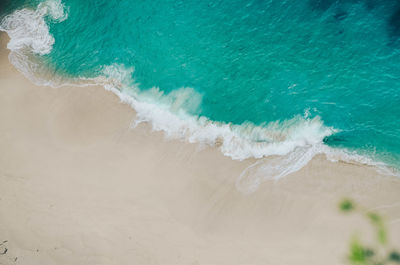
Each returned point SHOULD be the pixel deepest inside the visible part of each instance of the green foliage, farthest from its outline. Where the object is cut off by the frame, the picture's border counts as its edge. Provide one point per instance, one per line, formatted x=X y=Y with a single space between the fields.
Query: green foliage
x=379 y=225
x=375 y=218
x=346 y=205
x=394 y=256
x=359 y=253
x=382 y=235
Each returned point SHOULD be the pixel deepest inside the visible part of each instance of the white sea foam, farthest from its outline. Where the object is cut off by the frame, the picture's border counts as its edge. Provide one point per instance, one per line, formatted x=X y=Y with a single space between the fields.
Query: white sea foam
x=289 y=145
x=276 y=167
x=168 y=113
x=30 y=37
x=55 y=9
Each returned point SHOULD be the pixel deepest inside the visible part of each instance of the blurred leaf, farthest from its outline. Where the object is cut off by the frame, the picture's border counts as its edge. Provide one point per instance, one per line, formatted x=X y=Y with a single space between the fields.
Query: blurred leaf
x=375 y=218
x=377 y=221
x=380 y=254
x=357 y=253
x=382 y=235
x=368 y=252
x=346 y=205
x=394 y=256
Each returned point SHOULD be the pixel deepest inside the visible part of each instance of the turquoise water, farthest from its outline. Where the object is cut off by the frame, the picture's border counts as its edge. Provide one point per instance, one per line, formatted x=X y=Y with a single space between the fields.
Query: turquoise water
x=272 y=64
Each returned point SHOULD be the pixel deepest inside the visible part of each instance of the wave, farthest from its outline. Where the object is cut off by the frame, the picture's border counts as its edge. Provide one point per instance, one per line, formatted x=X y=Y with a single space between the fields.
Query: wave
x=169 y=113
x=276 y=167
x=289 y=145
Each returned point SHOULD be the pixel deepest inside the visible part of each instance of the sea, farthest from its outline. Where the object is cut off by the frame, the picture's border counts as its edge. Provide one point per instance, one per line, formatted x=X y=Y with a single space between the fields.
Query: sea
x=271 y=80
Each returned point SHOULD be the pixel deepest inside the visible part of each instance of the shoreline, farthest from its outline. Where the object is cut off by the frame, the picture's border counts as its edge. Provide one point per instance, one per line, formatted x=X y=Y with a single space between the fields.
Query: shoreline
x=304 y=139
x=79 y=186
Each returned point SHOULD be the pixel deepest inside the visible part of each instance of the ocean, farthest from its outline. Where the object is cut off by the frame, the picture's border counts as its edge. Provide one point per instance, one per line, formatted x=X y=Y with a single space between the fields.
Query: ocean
x=276 y=79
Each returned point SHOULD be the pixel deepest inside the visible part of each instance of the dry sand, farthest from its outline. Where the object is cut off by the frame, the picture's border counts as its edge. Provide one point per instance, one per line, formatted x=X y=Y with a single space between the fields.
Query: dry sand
x=78 y=186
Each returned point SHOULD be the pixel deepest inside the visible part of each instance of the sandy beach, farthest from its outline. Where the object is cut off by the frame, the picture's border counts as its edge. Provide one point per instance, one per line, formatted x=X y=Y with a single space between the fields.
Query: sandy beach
x=78 y=186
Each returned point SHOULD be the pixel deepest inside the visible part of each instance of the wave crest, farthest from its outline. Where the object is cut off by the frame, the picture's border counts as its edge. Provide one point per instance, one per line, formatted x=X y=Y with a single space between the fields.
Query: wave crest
x=169 y=113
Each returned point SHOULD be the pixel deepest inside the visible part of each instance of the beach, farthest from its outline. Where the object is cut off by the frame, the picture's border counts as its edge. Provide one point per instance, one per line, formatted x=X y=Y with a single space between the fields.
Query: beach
x=79 y=185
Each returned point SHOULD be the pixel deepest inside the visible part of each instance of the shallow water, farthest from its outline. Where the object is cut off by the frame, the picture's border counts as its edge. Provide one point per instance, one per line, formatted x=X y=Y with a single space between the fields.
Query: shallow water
x=280 y=75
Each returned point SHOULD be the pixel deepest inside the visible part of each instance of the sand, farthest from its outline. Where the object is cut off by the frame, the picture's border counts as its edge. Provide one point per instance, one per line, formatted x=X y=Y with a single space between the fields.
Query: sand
x=78 y=186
